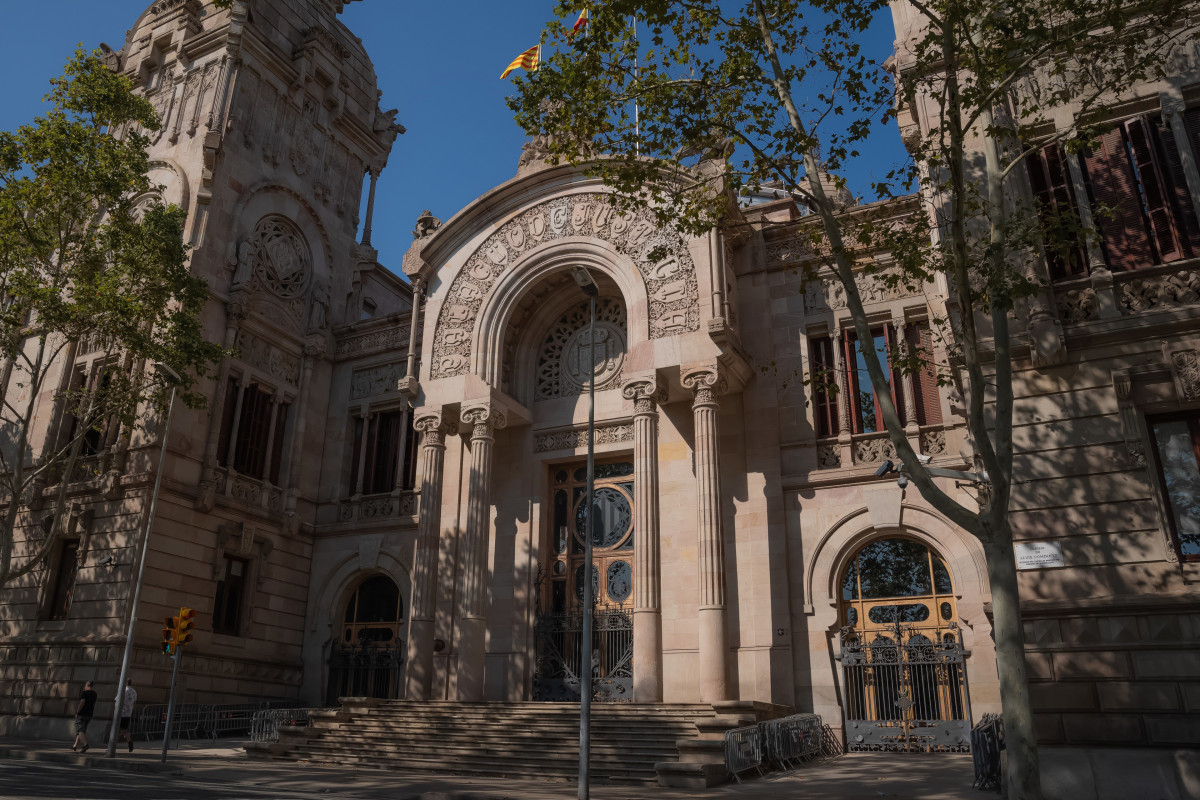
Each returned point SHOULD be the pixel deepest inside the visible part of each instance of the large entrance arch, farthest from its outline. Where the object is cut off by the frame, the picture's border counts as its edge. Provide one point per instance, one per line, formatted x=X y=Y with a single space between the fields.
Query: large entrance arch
x=904 y=680
x=367 y=657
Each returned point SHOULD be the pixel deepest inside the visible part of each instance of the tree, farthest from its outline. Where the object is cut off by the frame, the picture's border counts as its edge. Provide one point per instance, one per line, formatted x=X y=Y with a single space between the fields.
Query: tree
x=719 y=97
x=92 y=264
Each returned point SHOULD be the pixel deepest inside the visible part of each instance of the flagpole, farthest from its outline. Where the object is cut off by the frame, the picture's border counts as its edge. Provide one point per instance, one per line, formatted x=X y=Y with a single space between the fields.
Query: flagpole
x=637 y=125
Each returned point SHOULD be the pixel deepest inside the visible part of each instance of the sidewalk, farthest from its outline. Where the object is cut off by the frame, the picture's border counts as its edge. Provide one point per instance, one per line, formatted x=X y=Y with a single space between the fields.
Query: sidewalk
x=858 y=776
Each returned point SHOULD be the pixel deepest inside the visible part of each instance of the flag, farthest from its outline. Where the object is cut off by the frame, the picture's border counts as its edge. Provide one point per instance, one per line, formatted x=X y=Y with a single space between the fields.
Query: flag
x=527 y=60
x=580 y=23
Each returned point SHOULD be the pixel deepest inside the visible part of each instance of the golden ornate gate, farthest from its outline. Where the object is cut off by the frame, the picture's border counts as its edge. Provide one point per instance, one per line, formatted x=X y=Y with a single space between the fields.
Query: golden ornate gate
x=904 y=677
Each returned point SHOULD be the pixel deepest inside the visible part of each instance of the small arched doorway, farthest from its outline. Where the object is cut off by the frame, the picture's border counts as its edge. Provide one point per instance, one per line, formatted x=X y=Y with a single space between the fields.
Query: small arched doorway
x=904 y=680
x=367 y=659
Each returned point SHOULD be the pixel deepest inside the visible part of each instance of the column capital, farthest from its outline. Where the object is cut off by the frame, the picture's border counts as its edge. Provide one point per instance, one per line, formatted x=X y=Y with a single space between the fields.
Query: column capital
x=483 y=419
x=433 y=427
x=646 y=392
x=705 y=382
x=1172 y=104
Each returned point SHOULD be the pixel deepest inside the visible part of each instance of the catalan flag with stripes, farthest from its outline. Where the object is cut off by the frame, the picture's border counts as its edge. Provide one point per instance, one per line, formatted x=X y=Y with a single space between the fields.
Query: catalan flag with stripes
x=527 y=61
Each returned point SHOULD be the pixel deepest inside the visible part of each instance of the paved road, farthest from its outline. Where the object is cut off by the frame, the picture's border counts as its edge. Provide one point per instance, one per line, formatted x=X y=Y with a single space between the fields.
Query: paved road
x=20 y=780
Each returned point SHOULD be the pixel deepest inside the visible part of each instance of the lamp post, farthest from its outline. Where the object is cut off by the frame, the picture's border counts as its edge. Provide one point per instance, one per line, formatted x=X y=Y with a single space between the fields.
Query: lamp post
x=137 y=586
x=584 y=279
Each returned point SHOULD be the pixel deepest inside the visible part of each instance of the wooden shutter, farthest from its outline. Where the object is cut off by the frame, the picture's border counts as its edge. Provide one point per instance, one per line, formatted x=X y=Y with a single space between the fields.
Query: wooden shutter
x=1114 y=185
x=1050 y=179
x=824 y=400
x=1155 y=199
x=1184 y=211
x=926 y=396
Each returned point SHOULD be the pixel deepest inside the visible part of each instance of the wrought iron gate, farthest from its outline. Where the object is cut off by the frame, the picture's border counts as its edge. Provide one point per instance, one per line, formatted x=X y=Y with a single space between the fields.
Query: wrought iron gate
x=905 y=692
x=369 y=670
x=557 y=668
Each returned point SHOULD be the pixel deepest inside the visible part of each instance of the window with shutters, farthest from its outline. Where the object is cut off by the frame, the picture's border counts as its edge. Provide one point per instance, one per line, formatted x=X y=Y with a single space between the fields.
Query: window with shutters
x=253 y=427
x=1177 y=448
x=1061 y=236
x=1136 y=183
x=824 y=386
x=865 y=416
x=383 y=466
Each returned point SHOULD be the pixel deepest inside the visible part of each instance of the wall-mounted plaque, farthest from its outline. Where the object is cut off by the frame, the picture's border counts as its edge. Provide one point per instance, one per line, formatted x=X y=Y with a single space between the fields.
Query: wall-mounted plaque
x=1038 y=555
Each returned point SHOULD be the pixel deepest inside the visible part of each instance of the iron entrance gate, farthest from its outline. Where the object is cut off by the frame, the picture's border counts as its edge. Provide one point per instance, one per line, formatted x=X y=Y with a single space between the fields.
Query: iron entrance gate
x=557 y=669
x=368 y=670
x=905 y=692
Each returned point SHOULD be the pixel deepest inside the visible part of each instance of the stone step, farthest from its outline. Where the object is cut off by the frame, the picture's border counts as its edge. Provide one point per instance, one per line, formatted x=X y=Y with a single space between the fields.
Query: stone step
x=485 y=729
x=626 y=759
x=683 y=775
x=523 y=739
x=492 y=746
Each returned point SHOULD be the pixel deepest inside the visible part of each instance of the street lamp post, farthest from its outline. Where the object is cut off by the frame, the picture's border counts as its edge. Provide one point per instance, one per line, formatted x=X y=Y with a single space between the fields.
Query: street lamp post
x=137 y=586
x=584 y=279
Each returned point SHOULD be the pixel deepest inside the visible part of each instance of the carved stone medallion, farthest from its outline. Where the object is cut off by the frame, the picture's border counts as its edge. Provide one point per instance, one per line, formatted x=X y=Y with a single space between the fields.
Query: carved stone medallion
x=283 y=263
x=562 y=369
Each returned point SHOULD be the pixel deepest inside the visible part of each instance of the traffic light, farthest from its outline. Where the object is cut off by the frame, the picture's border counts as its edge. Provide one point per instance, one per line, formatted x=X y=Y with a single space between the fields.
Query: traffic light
x=186 y=621
x=177 y=631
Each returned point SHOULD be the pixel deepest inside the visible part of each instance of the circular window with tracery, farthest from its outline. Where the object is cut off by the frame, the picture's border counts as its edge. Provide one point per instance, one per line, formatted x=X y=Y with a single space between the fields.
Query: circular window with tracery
x=563 y=368
x=282 y=260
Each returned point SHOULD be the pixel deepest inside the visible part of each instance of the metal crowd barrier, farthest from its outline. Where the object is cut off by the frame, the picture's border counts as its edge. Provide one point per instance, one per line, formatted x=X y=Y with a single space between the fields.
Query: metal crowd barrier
x=199 y=721
x=788 y=742
x=743 y=751
x=987 y=740
x=264 y=727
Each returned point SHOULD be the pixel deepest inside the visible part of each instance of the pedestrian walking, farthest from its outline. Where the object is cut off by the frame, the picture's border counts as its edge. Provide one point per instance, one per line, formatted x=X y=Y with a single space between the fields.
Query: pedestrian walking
x=127 y=701
x=83 y=717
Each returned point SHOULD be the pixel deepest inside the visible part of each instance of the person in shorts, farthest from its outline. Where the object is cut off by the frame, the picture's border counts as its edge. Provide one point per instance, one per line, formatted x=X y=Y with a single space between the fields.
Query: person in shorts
x=127 y=701
x=83 y=717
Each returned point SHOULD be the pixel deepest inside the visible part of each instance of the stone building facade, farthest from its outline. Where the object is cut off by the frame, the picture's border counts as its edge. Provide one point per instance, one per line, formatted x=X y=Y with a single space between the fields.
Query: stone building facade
x=412 y=526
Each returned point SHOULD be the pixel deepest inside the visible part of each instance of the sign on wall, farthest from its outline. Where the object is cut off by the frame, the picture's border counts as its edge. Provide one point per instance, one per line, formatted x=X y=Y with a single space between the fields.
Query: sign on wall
x=1038 y=555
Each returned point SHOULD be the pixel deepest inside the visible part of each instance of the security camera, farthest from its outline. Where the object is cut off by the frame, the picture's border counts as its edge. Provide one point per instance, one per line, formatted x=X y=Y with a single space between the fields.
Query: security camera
x=885 y=468
x=924 y=459
x=902 y=481
x=111 y=561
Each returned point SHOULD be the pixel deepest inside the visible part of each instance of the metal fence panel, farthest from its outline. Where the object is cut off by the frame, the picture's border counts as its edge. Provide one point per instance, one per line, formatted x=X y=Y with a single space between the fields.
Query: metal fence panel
x=793 y=739
x=743 y=750
x=265 y=725
x=196 y=721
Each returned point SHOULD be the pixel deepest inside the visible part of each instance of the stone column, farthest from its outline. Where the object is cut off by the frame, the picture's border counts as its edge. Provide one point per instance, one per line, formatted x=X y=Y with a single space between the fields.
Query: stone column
x=366 y=234
x=402 y=465
x=414 y=319
x=912 y=428
x=363 y=439
x=842 y=376
x=705 y=382
x=418 y=674
x=266 y=470
x=647 y=571
x=473 y=579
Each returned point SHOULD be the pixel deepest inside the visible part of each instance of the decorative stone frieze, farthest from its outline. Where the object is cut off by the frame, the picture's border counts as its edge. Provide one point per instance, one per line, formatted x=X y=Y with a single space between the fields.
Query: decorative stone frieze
x=1077 y=305
x=670 y=281
x=877 y=448
x=574 y=439
x=1171 y=290
x=392 y=338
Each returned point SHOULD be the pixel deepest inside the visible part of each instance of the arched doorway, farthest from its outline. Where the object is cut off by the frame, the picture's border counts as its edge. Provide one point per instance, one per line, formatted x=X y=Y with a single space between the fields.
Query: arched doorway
x=368 y=657
x=904 y=680
x=560 y=617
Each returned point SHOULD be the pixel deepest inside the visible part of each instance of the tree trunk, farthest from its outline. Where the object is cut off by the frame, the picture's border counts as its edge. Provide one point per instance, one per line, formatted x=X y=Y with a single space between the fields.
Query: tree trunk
x=1023 y=776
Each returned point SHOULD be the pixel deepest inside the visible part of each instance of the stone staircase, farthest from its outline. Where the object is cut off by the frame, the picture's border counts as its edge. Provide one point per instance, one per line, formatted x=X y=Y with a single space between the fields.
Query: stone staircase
x=520 y=740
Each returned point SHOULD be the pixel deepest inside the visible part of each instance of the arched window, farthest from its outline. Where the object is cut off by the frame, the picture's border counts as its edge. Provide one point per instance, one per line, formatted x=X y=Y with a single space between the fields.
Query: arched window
x=897 y=580
x=373 y=613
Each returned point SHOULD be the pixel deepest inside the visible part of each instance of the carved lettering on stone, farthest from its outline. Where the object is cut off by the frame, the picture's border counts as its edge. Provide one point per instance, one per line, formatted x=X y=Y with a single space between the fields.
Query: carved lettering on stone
x=562 y=369
x=375 y=381
x=575 y=439
x=388 y=339
x=673 y=309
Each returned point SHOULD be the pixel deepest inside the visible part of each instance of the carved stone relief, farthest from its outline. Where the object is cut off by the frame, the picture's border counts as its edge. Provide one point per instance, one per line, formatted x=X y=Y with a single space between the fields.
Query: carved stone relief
x=670 y=281
x=562 y=369
x=267 y=357
x=828 y=294
x=280 y=257
x=1173 y=290
x=375 y=381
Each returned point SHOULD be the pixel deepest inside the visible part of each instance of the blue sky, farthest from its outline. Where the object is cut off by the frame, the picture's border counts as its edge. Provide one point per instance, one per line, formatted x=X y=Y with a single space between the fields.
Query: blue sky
x=438 y=63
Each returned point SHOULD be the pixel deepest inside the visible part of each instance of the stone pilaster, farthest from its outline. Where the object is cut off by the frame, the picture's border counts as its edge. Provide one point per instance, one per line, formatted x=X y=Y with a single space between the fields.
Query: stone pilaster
x=647 y=572
x=473 y=580
x=706 y=383
x=235 y=312
x=418 y=674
